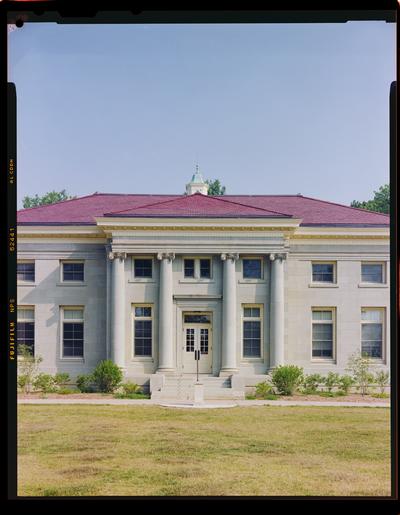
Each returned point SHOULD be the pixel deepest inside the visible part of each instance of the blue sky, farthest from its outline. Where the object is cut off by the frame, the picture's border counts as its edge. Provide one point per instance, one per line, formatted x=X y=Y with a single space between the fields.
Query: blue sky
x=267 y=109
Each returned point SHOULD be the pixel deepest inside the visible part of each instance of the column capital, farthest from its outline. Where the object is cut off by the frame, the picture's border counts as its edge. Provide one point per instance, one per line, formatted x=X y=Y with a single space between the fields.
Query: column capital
x=233 y=256
x=166 y=255
x=116 y=255
x=281 y=256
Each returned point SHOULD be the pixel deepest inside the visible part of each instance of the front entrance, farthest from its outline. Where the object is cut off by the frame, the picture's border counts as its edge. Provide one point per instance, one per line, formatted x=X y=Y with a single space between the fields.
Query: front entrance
x=197 y=335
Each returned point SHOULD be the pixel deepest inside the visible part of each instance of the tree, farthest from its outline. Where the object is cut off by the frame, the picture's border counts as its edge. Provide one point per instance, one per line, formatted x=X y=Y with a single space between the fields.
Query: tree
x=380 y=202
x=215 y=187
x=49 y=198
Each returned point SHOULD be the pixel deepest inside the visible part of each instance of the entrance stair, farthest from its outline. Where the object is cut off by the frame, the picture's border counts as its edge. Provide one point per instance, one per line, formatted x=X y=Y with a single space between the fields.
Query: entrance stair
x=181 y=388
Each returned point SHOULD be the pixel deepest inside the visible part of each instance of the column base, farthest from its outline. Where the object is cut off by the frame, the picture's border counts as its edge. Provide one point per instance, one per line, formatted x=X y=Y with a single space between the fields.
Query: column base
x=166 y=371
x=225 y=372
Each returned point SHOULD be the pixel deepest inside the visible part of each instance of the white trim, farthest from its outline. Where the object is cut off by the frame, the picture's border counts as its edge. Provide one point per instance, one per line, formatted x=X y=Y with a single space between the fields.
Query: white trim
x=133 y=278
x=252 y=280
x=64 y=308
x=365 y=284
x=333 y=310
x=133 y=357
x=252 y=359
x=69 y=283
x=334 y=274
x=384 y=311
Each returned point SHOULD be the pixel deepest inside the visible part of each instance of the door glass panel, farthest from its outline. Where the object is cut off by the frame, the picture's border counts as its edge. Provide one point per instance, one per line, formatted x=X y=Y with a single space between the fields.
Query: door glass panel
x=204 y=341
x=197 y=319
x=189 y=340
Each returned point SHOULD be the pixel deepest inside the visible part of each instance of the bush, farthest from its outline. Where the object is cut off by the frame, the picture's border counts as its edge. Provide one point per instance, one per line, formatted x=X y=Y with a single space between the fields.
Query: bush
x=137 y=395
x=23 y=382
x=84 y=383
x=345 y=382
x=107 y=376
x=65 y=391
x=287 y=378
x=331 y=380
x=129 y=388
x=359 y=367
x=61 y=378
x=380 y=395
x=311 y=382
x=382 y=378
x=263 y=390
x=45 y=383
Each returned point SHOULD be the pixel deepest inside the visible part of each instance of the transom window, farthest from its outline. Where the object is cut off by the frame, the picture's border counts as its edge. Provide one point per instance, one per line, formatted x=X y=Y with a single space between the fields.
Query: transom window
x=372 y=331
x=72 y=331
x=143 y=267
x=323 y=272
x=372 y=273
x=252 y=268
x=72 y=271
x=196 y=319
x=252 y=328
x=323 y=332
x=143 y=330
x=26 y=271
x=26 y=328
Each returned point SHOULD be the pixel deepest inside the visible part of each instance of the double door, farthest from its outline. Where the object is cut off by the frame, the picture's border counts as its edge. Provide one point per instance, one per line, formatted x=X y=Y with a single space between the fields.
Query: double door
x=197 y=337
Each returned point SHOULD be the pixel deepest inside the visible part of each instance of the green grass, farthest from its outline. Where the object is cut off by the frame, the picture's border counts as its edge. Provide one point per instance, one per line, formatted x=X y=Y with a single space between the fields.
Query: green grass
x=136 y=395
x=76 y=450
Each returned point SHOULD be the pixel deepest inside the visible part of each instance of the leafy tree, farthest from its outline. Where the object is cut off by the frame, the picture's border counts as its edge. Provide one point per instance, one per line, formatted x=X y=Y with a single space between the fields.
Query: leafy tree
x=380 y=202
x=49 y=198
x=359 y=367
x=215 y=187
x=28 y=366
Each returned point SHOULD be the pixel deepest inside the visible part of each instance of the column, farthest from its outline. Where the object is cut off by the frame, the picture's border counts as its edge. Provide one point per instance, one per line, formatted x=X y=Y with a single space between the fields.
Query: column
x=165 y=314
x=118 y=307
x=229 y=341
x=108 y=302
x=277 y=318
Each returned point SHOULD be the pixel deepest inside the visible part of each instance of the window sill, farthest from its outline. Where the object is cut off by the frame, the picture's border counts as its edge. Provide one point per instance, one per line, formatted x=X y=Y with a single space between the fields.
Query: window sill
x=373 y=285
x=323 y=285
x=26 y=284
x=252 y=360
x=196 y=281
x=71 y=283
x=141 y=280
x=73 y=360
x=324 y=360
x=142 y=359
x=252 y=281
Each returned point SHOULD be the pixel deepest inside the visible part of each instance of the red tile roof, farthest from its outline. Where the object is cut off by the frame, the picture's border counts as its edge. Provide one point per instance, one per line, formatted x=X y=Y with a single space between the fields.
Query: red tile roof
x=81 y=211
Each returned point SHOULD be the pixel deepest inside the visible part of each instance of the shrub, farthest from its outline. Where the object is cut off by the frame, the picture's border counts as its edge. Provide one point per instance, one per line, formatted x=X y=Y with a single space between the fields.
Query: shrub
x=380 y=395
x=84 y=383
x=61 y=378
x=45 y=383
x=66 y=391
x=359 y=367
x=311 y=383
x=345 y=382
x=287 y=378
x=137 y=395
x=28 y=366
x=331 y=380
x=107 y=376
x=263 y=390
x=382 y=378
x=129 y=388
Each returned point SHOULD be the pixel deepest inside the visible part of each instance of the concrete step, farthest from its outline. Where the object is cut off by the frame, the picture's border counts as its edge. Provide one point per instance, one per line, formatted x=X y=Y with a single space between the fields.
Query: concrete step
x=223 y=394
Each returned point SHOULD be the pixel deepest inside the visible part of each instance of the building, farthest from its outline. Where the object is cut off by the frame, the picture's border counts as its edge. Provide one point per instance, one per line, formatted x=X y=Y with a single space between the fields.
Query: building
x=251 y=281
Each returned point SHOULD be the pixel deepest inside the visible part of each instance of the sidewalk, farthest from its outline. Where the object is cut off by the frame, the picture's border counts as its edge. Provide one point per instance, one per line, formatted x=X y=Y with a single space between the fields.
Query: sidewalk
x=206 y=404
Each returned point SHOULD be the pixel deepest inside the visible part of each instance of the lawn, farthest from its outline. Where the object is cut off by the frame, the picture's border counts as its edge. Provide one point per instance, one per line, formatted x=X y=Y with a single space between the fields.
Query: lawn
x=78 y=450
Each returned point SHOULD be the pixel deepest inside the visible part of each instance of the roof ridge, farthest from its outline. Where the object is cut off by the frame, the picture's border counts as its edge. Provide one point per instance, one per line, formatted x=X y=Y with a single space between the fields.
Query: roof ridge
x=214 y=197
x=59 y=202
x=349 y=207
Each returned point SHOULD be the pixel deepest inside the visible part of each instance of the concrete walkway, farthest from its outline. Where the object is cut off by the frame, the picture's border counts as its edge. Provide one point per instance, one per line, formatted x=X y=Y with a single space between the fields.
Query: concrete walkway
x=205 y=405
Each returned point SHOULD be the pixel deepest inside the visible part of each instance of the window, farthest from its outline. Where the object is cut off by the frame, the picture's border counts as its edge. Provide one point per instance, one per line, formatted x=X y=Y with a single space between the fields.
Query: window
x=26 y=328
x=323 y=272
x=205 y=268
x=252 y=269
x=189 y=267
x=252 y=332
x=73 y=271
x=372 y=273
x=143 y=267
x=372 y=331
x=72 y=332
x=142 y=330
x=26 y=271
x=322 y=333
x=197 y=268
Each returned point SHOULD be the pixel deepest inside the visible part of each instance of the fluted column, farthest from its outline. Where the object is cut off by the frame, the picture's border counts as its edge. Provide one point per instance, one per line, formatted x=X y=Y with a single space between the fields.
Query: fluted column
x=229 y=341
x=118 y=307
x=165 y=314
x=277 y=320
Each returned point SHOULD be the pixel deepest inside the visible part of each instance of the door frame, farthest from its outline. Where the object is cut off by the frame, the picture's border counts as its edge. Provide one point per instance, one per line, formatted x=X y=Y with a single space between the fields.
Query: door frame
x=182 y=340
